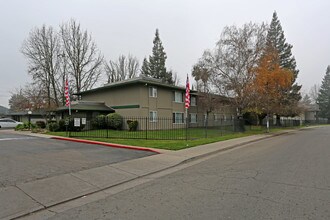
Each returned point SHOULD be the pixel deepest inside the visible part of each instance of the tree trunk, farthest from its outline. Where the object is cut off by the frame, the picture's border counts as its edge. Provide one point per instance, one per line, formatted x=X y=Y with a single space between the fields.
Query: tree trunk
x=278 y=120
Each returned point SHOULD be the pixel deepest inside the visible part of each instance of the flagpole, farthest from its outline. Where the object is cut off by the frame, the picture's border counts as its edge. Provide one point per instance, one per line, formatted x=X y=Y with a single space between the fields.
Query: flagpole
x=187 y=105
x=70 y=109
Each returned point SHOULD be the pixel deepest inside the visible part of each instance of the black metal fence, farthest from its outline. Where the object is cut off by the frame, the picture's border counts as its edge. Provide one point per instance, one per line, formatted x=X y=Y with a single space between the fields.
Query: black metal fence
x=168 y=128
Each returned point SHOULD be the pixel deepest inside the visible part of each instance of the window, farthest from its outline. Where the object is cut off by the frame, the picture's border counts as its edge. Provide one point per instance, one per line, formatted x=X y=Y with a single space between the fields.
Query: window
x=152 y=92
x=153 y=116
x=193 y=100
x=178 y=117
x=193 y=118
x=178 y=97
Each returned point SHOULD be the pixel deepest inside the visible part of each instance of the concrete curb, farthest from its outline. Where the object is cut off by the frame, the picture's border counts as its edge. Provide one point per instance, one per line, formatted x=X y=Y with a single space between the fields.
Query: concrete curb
x=106 y=144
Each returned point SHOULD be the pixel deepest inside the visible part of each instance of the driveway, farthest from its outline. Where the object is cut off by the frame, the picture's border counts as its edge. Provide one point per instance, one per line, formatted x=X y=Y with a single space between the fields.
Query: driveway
x=24 y=158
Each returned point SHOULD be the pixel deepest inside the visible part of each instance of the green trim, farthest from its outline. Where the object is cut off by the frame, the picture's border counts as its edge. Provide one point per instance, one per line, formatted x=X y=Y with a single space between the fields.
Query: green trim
x=125 y=106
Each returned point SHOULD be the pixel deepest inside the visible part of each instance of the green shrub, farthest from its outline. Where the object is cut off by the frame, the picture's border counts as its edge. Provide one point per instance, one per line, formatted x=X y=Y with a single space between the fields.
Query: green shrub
x=61 y=125
x=132 y=125
x=114 y=121
x=41 y=124
x=53 y=126
x=99 y=122
x=31 y=125
x=25 y=126
x=19 y=127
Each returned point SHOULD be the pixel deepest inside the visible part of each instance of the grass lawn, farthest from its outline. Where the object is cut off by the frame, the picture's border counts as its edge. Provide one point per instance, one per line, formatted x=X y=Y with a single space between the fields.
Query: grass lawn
x=176 y=144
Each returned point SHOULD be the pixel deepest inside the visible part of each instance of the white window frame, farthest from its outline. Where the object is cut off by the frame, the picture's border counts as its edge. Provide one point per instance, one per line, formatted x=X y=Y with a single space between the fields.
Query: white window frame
x=152 y=116
x=191 y=121
x=193 y=103
x=153 y=91
x=175 y=96
x=175 y=118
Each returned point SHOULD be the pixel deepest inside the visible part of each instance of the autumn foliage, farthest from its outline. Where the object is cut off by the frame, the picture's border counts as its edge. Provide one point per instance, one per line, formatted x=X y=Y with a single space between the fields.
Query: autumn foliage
x=269 y=83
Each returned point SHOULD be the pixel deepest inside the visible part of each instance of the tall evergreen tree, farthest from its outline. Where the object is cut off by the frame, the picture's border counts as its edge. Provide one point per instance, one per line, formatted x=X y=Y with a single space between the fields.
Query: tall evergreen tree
x=323 y=99
x=145 y=67
x=276 y=39
x=155 y=67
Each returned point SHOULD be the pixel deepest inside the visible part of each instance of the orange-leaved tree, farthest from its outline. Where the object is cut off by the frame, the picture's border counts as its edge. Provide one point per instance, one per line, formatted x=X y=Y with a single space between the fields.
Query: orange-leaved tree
x=269 y=82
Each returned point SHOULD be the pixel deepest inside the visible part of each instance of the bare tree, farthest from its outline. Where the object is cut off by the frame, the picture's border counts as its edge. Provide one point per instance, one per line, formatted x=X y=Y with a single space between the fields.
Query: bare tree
x=83 y=58
x=35 y=95
x=175 y=77
x=121 y=69
x=206 y=99
x=17 y=101
x=41 y=49
x=230 y=64
x=31 y=97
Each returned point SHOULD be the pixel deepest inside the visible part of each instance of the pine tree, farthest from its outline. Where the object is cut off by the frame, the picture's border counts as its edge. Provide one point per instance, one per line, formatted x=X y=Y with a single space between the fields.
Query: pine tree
x=323 y=99
x=145 y=70
x=276 y=39
x=155 y=67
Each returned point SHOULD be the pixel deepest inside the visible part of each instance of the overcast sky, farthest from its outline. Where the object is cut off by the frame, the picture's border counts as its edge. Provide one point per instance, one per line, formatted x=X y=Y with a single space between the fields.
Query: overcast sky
x=187 y=28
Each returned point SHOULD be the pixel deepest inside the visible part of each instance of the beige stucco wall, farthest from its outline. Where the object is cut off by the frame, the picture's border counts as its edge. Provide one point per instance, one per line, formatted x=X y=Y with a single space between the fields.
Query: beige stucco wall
x=121 y=96
x=138 y=94
x=164 y=104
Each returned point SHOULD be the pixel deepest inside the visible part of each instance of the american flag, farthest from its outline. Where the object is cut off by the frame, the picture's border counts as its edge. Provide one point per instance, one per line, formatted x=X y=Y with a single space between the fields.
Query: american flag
x=66 y=93
x=187 y=100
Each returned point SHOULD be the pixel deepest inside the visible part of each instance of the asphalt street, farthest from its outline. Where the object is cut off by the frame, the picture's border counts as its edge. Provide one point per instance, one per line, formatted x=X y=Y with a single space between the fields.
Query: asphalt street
x=25 y=158
x=285 y=177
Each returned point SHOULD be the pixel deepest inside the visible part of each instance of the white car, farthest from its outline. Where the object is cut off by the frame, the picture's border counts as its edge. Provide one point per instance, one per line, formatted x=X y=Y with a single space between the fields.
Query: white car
x=8 y=123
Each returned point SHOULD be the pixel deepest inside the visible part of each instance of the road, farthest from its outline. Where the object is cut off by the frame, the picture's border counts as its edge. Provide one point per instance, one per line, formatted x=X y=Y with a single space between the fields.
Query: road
x=25 y=158
x=285 y=177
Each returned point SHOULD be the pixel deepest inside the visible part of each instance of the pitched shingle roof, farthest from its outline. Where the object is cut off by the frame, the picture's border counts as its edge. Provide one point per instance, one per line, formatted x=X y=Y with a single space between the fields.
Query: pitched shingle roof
x=137 y=80
x=87 y=106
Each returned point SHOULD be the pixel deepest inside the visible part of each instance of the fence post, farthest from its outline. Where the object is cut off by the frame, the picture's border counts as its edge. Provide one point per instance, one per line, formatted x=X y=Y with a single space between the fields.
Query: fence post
x=206 y=122
x=107 y=122
x=221 y=124
x=146 y=128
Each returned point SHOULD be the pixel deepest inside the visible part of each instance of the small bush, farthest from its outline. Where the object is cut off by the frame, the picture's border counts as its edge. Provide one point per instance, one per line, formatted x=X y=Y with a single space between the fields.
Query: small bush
x=61 y=125
x=41 y=124
x=53 y=126
x=25 y=126
x=132 y=125
x=99 y=122
x=114 y=121
x=19 y=127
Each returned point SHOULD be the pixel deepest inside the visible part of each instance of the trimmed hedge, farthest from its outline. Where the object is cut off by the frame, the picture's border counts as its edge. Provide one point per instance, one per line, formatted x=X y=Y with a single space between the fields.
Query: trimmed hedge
x=99 y=122
x=114 y=121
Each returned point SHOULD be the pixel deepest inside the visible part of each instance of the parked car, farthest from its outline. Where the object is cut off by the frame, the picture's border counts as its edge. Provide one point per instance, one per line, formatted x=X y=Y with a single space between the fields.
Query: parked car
x=8 y=123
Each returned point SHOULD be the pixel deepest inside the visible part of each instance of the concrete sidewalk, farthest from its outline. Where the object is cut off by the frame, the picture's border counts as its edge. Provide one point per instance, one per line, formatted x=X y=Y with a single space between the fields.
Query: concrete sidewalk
x=46 y=194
